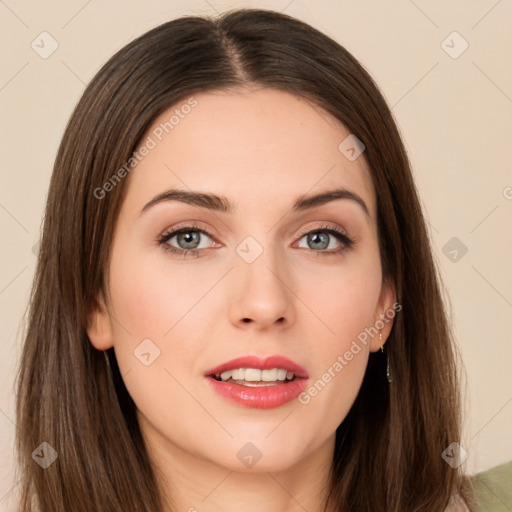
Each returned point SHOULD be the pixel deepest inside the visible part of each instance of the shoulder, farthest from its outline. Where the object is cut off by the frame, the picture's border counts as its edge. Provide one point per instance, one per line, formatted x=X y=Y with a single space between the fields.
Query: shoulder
x=457 y=504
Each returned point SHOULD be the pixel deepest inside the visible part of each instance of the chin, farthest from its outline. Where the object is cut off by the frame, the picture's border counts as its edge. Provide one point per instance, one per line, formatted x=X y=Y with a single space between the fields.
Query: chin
x=265 y=453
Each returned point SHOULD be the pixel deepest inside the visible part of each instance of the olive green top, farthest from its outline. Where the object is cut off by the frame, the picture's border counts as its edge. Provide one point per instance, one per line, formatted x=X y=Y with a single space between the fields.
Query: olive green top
x=493 y=489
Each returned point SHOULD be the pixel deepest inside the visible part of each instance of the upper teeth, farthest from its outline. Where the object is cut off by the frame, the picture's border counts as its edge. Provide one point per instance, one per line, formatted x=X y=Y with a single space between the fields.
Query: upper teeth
x=255 y=375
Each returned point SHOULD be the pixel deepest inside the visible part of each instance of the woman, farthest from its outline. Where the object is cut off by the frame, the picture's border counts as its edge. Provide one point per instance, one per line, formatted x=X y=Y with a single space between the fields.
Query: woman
x=232 y=238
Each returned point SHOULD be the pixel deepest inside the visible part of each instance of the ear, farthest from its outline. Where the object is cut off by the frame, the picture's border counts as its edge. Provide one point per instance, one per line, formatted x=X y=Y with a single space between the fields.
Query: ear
x=99 y=326
x=386 y=310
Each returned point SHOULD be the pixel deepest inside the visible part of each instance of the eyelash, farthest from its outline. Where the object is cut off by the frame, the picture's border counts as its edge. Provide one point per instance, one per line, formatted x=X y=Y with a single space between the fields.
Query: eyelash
x=345 y=240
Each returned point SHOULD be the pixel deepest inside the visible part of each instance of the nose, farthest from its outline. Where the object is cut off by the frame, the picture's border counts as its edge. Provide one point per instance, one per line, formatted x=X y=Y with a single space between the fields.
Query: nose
x=263 y=295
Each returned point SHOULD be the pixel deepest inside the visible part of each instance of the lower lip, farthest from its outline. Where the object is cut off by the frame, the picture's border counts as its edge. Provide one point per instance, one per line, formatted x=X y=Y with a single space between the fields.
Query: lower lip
x=263 y=397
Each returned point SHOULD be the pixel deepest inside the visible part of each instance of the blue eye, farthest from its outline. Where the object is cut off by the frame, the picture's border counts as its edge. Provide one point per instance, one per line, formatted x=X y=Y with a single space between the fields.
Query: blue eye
x=188 y=241
x=321 y=240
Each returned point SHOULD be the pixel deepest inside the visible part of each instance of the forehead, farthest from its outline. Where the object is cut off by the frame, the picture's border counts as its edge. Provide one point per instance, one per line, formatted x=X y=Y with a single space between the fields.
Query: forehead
x=257 y=147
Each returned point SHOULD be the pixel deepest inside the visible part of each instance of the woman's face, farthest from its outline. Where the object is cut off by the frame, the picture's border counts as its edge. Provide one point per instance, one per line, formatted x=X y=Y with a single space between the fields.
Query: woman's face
x=244 y=279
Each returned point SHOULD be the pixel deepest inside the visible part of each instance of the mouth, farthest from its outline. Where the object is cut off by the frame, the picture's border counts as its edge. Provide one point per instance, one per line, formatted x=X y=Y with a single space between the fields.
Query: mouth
x=255 y=382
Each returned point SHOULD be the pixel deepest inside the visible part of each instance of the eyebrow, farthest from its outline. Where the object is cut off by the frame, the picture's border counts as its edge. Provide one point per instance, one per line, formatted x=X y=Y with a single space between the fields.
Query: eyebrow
x=222 y=204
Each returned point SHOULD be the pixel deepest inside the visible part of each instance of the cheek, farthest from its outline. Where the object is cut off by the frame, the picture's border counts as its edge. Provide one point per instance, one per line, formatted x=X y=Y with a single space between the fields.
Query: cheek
x=345 y=312
x=163 y=316
x=344 y=352
x=340 y=362
x=151 y=295
x=156 y=315
x=347 y=309
x=151 y=309
x=343 y=300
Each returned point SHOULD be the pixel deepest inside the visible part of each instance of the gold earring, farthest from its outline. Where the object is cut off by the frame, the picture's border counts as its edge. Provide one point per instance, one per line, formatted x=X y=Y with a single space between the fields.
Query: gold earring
x=388 y=374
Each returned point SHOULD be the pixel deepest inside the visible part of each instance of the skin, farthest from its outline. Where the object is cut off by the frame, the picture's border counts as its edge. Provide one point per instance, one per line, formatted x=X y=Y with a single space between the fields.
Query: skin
x=260 y=148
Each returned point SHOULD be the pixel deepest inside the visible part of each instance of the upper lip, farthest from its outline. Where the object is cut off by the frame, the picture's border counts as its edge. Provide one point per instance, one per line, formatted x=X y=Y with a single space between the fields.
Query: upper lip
x=262 y=363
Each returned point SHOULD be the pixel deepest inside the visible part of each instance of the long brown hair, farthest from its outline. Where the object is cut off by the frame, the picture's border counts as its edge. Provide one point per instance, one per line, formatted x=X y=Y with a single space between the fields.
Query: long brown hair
x=71 y=396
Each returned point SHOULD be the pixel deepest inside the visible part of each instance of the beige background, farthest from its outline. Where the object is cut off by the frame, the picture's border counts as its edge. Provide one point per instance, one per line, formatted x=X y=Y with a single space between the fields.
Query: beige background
x=455 y=115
